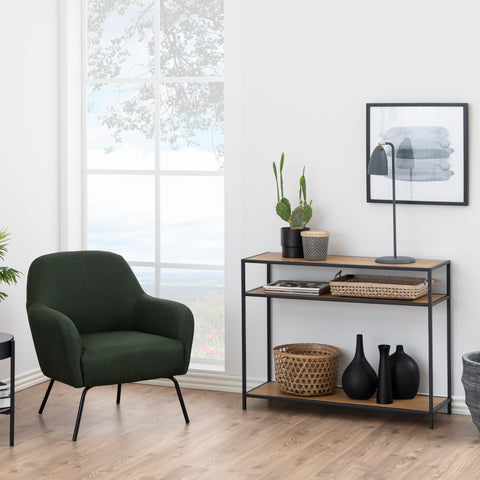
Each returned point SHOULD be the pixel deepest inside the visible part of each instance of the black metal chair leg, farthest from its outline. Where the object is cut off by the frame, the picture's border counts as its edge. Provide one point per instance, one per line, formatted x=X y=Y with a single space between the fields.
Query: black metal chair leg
x=119 y=392
x=79 y=414
x=180 y=398
x=45 y=398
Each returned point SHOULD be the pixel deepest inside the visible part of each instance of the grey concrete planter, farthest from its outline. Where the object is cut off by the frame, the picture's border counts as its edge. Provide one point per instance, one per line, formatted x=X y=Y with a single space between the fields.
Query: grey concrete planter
x=471 y=383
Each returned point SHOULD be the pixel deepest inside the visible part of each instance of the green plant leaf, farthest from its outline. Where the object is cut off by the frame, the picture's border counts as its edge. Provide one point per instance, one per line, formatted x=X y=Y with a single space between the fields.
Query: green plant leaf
x=307 y=209
x=303 y=187
x=276 y=180
x=8 y=275
x=282 y=160
x=283 y=210
x=4 y=239
x=287 y=203
x=297 y=218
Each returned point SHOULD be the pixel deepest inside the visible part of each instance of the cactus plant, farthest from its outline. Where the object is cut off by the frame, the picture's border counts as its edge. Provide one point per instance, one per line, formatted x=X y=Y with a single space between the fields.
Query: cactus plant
x=7 y=275
x=301 y=215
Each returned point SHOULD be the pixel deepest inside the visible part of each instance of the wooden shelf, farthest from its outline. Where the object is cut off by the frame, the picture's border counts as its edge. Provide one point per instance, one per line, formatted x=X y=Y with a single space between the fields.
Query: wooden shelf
x=346 y=261
x=419 y=404
x=419 y=302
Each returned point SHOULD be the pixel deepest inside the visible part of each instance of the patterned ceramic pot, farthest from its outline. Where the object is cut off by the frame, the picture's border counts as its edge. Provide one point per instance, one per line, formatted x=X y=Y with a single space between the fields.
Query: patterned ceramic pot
x=315 y=244
x=471 y=383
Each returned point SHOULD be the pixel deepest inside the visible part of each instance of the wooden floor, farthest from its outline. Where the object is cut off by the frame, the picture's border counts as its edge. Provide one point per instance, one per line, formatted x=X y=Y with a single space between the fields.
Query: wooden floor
x=145 y=438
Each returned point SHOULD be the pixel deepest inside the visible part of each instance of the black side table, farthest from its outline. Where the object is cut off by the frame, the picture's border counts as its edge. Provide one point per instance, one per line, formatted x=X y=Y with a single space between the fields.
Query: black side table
x=7 y=350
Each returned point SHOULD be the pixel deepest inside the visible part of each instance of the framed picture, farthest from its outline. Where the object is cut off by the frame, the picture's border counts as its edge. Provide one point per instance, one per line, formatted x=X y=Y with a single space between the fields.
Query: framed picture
x=431 y=152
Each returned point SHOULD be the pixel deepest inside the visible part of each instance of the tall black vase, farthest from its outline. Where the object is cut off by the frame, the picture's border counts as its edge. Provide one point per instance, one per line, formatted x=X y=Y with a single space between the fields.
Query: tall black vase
x=359 y=380
x=384 y=392
x=405 y=374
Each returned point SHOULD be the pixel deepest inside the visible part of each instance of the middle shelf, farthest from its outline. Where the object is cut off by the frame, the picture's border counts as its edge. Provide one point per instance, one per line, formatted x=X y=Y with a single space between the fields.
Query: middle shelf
x=328 y=297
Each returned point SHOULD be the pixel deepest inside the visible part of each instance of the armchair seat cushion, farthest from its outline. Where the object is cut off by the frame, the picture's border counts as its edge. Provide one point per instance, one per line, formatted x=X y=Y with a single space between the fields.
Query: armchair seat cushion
x=128 y=356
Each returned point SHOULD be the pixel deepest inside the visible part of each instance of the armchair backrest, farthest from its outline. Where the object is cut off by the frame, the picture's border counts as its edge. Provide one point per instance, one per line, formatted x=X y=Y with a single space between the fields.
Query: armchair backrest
x=96 y=290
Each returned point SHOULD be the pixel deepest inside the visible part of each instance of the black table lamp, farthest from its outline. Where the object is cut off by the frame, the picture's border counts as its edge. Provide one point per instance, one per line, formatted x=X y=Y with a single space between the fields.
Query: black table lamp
x=378 y=165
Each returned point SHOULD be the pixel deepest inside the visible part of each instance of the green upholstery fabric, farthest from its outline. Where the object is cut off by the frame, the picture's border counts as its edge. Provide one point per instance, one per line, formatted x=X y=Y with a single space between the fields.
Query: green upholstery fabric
x=92 y=324
x=128 y=356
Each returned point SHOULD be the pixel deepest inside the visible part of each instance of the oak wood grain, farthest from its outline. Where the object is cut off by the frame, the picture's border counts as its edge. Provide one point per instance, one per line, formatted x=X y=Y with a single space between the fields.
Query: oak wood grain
x=146 y=438
x=351 y=261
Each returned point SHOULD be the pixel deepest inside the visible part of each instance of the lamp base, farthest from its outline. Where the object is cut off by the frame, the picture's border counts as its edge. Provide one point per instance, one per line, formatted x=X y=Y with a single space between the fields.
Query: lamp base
x=394 y=260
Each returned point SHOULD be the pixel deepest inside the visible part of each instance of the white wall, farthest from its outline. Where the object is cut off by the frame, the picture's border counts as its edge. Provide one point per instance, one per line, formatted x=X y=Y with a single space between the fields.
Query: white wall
x=308 y=69
x=298 y=78
x=28 y=152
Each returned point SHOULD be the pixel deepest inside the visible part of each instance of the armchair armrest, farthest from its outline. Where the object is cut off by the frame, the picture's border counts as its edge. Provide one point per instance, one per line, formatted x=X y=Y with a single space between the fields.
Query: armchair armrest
x=166 y=318
x=57 y=343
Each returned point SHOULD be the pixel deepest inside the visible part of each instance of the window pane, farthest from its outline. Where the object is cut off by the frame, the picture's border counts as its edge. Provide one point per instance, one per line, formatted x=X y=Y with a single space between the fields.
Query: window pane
x=120 y=39
x=191 y=38
x=191 y=220
x=121 y=123
x=121 y=215
x=146 y=277
x=203 y=292
x=191 y=119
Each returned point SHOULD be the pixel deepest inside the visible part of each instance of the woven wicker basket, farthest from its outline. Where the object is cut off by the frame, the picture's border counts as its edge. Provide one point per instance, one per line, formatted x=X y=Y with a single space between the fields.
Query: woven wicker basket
x=306 y=369
x=371 y=286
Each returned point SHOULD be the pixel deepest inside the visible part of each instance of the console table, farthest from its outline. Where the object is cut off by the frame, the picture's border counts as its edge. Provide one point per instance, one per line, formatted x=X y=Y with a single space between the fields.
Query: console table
x=423 y=404
x=7 y=350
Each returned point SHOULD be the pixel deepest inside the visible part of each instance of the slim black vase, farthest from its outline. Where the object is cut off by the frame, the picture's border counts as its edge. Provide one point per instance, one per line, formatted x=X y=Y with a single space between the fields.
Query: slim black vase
x=359 y=380
x=405 y=374
x=384 y=392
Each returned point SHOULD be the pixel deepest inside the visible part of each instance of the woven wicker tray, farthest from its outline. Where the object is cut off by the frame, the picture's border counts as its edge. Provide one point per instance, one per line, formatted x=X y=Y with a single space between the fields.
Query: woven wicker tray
x=371 y=286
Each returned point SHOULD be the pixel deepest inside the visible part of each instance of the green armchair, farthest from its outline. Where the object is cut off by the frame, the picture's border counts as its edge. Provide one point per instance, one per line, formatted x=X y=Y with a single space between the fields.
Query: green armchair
x=92 y=324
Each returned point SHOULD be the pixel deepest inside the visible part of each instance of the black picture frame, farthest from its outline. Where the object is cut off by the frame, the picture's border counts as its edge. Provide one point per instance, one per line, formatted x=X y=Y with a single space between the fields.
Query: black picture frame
x=436 y=170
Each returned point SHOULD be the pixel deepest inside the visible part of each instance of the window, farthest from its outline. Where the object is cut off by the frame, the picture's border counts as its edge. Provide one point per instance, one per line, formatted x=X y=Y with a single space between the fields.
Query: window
x=153 y=166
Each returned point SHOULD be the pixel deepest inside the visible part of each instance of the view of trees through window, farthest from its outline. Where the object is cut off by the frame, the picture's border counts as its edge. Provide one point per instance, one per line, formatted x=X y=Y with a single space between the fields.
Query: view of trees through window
x=155 y=152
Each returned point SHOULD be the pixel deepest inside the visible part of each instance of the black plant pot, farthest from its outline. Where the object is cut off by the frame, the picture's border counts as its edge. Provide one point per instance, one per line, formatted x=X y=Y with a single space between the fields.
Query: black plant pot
x=291 y=242
x=405 y=375
x=359 y=380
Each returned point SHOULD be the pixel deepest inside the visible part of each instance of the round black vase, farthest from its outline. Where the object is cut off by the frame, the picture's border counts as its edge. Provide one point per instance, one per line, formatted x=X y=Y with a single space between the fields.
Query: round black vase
x=359 y=380
x=405 y=375
x=291 y=242
x=384 y=392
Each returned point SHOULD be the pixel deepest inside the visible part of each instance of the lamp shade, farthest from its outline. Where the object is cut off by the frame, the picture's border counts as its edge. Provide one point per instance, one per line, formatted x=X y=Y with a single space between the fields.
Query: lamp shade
x=378 y=164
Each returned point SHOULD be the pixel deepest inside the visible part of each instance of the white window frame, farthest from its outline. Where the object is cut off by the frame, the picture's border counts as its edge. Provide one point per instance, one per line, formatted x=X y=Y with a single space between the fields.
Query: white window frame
x=73 y=151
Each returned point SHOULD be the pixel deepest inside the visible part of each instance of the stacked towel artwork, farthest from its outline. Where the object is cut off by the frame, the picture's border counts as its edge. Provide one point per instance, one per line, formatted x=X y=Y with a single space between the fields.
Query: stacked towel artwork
x=422 y=153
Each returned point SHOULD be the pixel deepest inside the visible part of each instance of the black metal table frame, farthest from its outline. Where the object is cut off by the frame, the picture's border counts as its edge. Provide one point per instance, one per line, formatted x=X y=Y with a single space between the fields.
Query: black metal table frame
x=445 y=297
x=7 y=350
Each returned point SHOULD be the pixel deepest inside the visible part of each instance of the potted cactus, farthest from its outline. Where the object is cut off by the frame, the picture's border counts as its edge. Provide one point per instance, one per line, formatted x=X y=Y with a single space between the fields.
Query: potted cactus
x=7 y=275
x=297 y=218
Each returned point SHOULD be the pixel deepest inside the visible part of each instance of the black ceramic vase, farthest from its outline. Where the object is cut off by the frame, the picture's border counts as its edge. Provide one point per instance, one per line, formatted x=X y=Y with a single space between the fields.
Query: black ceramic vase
x=291 y=242
x=384 y=392
x=405 y=374
x=359 y=380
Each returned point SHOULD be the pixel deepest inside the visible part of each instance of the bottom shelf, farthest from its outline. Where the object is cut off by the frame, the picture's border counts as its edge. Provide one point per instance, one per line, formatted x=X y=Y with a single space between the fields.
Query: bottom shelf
x=419 y=404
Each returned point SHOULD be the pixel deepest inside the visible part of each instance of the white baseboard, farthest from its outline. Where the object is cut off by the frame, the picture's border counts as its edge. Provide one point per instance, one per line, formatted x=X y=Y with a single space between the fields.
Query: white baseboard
x=198 y=380
x=208 y=381
x=459 y=406
x=27 y=379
